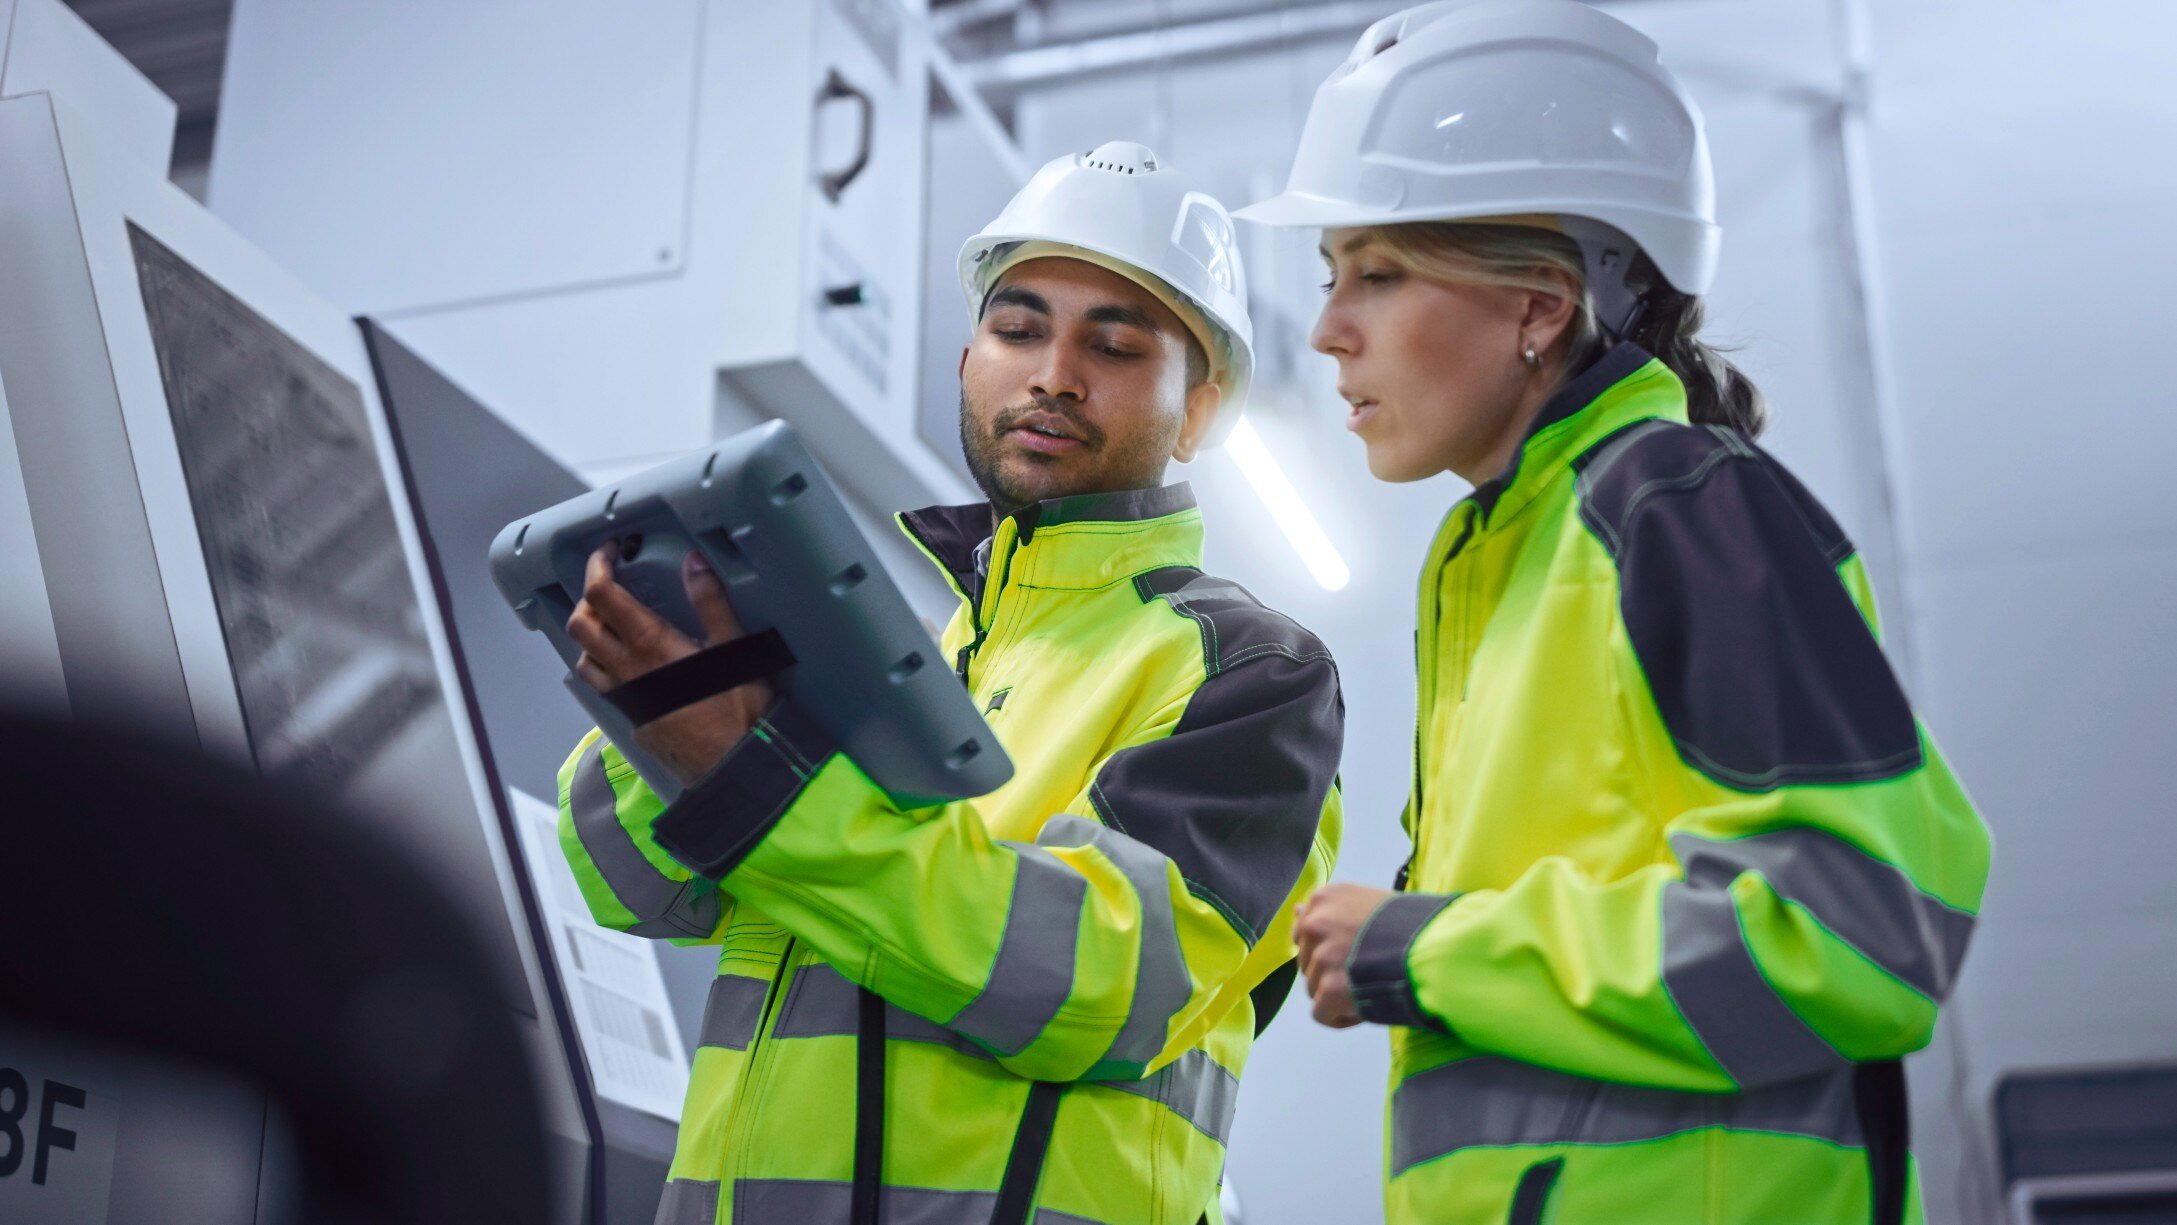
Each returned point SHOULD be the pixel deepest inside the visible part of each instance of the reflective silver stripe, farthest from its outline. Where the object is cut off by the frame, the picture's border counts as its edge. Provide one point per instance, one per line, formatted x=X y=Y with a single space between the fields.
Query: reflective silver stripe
x=1033 y=972
x=731 y=1014
x=687 y=1202
x=1195 y=1087
x=1871 y=905
x=901 y=1025
x=796 y=1201
x=1488 y=1101
x=663 y=907
x=821 y=1003
x=1738 y=1016
x=1161 y=986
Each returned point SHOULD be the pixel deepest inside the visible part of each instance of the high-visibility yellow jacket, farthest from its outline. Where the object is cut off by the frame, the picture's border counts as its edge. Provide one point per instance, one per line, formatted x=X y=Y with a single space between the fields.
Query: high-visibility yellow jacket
x=1107 y=923
x=1688 y=876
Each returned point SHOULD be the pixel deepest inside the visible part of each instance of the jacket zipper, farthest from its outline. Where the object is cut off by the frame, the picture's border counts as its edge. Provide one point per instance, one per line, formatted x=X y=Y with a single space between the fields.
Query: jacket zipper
x=1463 y=640
x=1000 y=570
x=758 y=1046
x=1425 y=647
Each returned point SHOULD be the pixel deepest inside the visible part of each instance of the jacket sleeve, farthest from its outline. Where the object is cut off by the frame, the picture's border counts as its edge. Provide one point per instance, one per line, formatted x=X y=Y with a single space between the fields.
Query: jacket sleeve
x=629 y=882
x=1818 y=865
x=1104 y=948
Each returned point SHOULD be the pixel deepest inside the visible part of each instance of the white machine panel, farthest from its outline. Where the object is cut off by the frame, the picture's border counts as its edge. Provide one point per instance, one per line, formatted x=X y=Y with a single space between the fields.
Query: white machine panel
x=794 y=290
x=332 y=114
x=46 y=48
x=30 y=672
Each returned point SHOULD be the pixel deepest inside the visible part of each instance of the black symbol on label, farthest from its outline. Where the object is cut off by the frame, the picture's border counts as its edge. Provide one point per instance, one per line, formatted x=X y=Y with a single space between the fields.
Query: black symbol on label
x=15 y=1105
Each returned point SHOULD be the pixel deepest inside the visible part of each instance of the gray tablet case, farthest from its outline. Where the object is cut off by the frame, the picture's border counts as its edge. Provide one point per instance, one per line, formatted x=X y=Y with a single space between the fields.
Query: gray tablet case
x=824 y=621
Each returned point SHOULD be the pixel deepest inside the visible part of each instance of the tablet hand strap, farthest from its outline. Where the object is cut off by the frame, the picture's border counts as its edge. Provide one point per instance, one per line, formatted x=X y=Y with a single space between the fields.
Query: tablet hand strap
x=707 y=673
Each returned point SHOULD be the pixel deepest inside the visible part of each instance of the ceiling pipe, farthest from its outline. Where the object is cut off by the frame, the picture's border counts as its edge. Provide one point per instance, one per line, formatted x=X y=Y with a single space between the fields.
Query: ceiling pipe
x=1015 y=71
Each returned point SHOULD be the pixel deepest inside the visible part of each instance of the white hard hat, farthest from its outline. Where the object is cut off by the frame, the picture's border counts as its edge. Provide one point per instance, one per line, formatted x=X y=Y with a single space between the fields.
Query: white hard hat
x=1125 y=210
x=1485 y=108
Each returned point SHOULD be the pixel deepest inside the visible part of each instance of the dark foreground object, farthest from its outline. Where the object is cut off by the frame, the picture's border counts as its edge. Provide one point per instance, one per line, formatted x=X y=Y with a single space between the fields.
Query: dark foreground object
x=159 y=903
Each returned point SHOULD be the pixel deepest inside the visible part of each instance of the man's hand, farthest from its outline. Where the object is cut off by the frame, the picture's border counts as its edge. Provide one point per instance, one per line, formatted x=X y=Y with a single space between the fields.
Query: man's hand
x=1325 y=927
x=621 y=639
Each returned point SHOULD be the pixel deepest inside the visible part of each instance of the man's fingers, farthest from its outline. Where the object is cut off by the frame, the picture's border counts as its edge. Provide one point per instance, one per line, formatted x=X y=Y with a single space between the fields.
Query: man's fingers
x=1334 y=1007
x=621 y=612
x=595 y=637
x=1318 y=970
x=1304 y=949
x=592 y=675
x=641 y=638
x=597 y=572
x=708 y=594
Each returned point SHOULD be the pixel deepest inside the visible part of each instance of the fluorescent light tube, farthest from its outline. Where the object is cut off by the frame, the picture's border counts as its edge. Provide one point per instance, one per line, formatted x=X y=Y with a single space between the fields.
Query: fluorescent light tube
x=1286 y=508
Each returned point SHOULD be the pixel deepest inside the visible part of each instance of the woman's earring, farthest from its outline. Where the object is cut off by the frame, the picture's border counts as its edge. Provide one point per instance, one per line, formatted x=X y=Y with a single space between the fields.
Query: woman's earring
x=1533 y=359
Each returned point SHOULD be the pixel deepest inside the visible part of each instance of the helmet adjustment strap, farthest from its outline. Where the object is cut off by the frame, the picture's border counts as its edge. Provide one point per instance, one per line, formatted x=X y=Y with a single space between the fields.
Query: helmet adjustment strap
x=1607 y=253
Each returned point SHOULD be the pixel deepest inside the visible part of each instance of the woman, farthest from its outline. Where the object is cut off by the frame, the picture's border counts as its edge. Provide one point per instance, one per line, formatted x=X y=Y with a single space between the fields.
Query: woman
x=1688 y=877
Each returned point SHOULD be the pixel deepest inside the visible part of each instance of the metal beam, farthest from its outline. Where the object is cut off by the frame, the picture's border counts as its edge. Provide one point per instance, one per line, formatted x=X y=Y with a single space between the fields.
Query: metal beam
x=1015 y=71
x=973 y=106
x=953 y=18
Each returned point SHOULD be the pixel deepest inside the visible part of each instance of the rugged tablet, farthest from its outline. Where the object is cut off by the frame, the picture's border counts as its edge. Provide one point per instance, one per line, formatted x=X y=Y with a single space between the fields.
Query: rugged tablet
x=824 y=621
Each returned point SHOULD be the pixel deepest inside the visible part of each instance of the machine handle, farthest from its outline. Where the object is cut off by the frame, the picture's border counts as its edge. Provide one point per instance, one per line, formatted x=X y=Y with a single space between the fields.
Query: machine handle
x=834 y=182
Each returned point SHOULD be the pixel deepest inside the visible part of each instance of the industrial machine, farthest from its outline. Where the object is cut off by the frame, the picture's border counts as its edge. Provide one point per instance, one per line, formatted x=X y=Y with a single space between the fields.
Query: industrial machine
x=209 y=538
x=248 y=478
x=631 y=1006
x=612 y=227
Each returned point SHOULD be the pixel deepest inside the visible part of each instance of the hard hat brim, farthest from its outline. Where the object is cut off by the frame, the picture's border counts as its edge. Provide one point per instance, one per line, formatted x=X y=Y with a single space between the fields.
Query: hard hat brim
x=1293 y=209
x=1683 y=248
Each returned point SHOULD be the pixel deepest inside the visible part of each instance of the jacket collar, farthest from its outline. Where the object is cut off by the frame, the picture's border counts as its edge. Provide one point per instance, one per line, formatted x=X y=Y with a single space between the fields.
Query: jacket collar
x=1623 y=386
x=1080 y=542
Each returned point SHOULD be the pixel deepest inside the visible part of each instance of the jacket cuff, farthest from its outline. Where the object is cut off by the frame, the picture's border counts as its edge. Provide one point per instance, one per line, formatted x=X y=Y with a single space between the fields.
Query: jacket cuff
x=714 y=824
x=1377 y=968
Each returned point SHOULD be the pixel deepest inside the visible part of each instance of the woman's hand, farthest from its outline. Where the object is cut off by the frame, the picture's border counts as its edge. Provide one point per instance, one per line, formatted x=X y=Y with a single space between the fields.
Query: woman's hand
x=621 y=639
x=1325 y=927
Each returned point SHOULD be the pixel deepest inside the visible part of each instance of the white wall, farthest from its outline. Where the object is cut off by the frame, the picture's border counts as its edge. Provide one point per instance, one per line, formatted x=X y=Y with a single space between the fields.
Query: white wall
x=2020 y=176
x=2025 y=191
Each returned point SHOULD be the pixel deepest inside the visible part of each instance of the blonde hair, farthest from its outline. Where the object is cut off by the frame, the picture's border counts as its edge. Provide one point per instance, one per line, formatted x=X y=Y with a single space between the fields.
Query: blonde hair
x=1530 y=254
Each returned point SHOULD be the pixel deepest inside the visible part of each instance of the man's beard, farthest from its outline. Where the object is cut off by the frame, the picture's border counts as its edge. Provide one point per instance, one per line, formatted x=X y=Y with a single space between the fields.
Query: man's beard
x=1132 y=462
x=984 y=450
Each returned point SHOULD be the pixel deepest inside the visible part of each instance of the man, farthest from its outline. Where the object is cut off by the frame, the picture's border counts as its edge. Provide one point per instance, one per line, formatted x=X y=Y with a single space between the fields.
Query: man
x=1041 y=999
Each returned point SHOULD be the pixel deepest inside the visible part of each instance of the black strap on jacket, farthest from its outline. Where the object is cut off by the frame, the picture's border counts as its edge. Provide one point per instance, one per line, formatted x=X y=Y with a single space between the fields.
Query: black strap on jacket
x=1878 y=1090
x=707 y=673
x=1271 y=993
x=868 y=1110
x=1532 y=1195
x=1024 y=1167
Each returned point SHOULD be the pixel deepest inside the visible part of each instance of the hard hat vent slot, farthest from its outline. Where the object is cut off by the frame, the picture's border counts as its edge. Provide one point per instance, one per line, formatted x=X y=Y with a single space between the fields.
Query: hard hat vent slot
x=1121 y=157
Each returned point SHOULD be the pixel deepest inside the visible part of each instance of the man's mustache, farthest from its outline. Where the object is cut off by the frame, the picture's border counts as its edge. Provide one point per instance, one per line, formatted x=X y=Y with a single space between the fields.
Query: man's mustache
x=1075 y=424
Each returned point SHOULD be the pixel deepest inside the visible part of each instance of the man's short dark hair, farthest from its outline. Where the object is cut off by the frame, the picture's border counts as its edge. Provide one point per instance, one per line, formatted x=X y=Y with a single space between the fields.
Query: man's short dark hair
x=1197 y=363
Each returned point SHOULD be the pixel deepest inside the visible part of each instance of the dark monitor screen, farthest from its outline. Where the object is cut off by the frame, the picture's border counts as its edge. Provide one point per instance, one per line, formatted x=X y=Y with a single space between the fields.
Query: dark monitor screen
x=316 y=597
